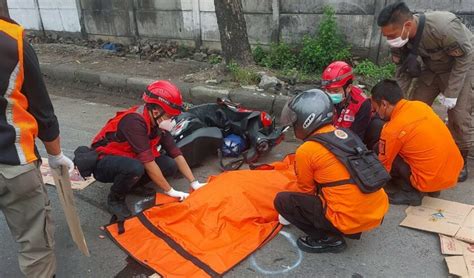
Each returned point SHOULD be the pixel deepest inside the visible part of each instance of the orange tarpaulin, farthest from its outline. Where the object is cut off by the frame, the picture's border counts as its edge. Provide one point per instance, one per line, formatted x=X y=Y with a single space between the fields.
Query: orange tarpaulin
x=214 y=229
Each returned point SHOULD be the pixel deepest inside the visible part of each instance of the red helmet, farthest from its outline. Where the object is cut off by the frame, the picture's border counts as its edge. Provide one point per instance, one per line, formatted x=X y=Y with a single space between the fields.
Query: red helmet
x=166 y=95
x=336 y=75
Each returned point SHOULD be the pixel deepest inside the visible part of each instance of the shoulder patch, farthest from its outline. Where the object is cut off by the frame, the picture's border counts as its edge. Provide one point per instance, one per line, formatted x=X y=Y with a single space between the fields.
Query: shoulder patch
x=382 y=147
x=455 y=50
x=340 y=134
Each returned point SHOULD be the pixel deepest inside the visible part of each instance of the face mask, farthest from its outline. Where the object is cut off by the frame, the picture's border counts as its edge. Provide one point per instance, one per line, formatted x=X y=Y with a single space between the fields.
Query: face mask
x=398 y=42
x=167 y=124
x=336 y=98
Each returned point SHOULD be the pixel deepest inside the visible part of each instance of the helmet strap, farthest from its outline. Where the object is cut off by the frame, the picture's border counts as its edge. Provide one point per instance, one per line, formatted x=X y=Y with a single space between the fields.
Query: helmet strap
x=152 y=106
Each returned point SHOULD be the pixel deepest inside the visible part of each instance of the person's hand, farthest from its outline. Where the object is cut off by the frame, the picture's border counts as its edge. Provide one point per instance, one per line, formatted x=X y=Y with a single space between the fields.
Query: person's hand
x=447 y=101
x=177 y=194
x=196 y=184
x=56 y=161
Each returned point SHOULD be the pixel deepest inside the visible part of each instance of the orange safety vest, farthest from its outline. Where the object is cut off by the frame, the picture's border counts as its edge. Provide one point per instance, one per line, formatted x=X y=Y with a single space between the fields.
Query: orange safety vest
x=214 y=229
x=18 y=128
x=105 y=142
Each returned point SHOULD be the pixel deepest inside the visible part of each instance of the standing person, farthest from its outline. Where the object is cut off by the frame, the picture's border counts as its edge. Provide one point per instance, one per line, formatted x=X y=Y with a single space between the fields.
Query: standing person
x=445 y=46
x=352 y=107
x=26 y=113
x=330 y=204
x=415 y=145
x=128 y=148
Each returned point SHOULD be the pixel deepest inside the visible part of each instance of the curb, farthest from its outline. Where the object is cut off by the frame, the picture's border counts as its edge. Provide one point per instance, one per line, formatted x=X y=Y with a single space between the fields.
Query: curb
x=195 y=94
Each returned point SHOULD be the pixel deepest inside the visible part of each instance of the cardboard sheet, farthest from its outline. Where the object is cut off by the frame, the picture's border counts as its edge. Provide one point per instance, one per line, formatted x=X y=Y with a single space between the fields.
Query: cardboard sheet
x=457 y=266
x=66 y=197
x=444 y=217
x=452 y=246
x=77 y=182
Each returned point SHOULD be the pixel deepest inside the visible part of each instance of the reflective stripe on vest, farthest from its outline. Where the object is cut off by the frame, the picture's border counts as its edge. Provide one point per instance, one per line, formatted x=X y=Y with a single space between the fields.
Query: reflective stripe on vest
x=18 y=127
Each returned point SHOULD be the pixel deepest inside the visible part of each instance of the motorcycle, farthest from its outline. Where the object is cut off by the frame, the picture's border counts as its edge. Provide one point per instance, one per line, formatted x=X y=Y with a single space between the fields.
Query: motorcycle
x=200 y=132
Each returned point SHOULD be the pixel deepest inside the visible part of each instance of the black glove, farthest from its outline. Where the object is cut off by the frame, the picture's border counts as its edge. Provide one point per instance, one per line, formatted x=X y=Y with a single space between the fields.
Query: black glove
x=411 y=65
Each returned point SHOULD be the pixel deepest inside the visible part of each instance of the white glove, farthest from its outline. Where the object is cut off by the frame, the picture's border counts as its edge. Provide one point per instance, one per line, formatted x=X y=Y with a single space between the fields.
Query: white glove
x=196 y=184
x=283 y=221
x=177 y=194
x=447 y=101
x=55 y=161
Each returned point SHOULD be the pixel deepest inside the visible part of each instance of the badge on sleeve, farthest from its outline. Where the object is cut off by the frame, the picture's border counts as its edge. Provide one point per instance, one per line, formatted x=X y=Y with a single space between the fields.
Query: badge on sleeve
x=455 y=50
x=382 y=147
x=340 y=134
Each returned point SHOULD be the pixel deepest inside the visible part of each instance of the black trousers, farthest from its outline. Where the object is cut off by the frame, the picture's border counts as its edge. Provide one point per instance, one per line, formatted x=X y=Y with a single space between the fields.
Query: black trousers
x=125 y=172
x=306 y=212
x=372 y=134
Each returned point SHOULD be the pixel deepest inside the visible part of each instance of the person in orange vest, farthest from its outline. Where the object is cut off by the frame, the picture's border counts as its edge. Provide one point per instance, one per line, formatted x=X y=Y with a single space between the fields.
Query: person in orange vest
x=415 y=145
x=26 y=113
x=128 y=148
x=330 y=204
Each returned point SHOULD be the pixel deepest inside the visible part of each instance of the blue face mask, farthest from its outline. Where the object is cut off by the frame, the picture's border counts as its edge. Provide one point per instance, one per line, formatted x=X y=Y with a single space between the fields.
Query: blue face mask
x=336 y=98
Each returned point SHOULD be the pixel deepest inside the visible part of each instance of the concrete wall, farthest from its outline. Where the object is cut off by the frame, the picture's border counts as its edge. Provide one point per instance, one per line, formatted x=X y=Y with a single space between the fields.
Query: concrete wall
x=193 y=22
x=54 y=15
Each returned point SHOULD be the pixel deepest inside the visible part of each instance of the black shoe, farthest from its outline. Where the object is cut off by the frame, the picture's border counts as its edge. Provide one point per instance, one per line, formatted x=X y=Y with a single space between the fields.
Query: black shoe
x=117 y=206
x=143 y=191
x=329 y=244
x=434 y=194
x=412 y=198
x=464 y=173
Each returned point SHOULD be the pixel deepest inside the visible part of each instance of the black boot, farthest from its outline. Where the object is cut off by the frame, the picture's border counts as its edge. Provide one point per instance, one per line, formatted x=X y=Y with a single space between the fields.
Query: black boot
x=463 y=175
x=402 y=197
x=117 y=206
x=143 y=190
x=328 y=244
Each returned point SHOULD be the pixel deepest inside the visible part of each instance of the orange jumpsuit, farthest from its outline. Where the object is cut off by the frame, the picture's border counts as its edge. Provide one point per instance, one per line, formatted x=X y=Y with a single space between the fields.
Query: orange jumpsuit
x=424 y=142
x=347 y=208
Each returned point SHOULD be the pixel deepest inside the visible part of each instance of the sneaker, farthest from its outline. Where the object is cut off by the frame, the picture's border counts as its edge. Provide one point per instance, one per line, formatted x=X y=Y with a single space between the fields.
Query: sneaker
x=412 y=198
x=329 y=244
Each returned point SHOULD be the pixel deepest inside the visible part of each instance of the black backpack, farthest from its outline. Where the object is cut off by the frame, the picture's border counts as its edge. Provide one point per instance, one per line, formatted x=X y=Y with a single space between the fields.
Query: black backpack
x=363 y=165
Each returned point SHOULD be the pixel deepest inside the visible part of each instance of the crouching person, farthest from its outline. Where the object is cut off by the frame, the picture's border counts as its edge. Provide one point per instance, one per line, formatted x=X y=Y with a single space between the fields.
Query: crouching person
x=331 y=203
x=127 y=147
x=415 y=145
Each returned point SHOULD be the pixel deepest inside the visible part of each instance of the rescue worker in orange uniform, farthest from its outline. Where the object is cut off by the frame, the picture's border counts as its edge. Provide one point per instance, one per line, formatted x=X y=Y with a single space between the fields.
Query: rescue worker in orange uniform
x=415 y=145
x=26 y=113
x=128 y=148
x=328 y=206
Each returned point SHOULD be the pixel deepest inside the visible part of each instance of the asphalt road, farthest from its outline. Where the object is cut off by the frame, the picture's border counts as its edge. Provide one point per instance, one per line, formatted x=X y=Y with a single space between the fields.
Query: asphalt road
x=389 y=251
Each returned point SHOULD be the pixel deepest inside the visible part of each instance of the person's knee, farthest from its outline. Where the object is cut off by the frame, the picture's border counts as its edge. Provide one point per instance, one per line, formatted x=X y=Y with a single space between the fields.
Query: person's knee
x=135 y=169
x=281 y=202
x=167 y=165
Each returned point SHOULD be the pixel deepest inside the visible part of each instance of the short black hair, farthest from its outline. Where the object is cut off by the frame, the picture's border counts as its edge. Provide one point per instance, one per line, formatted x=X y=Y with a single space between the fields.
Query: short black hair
x=396 y=13
x=388 y=90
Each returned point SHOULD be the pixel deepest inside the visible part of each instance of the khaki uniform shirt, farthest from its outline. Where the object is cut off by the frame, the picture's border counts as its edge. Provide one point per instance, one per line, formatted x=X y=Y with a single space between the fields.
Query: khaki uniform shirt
x=446 y=49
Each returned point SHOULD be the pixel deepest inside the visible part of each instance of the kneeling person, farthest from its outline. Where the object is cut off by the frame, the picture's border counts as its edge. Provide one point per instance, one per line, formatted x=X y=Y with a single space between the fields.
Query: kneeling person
x=415 y=145
x=339 y=207
x=127 y=147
